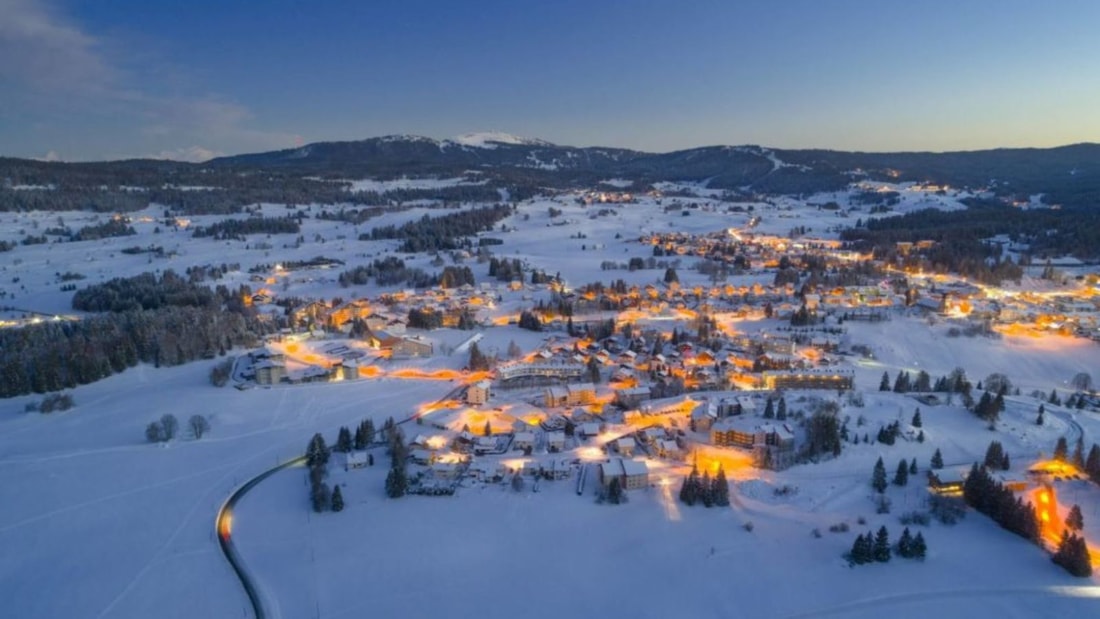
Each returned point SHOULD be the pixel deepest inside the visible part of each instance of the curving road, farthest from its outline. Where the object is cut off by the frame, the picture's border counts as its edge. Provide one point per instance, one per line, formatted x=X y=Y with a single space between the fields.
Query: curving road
x=223 y=525
x=223 y=522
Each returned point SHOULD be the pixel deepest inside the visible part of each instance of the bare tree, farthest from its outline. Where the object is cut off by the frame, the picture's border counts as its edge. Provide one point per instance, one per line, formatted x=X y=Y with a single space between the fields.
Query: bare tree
x=199 y=425
x=1082 y=381
x=169 y=426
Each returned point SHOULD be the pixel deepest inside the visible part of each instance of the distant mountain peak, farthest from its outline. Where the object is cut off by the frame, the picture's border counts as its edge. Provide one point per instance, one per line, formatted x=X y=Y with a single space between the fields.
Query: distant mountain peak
x=490 y=139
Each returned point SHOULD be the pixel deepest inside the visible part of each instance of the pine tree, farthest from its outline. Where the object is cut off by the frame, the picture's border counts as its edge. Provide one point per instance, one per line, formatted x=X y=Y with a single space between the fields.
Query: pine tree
x=1039 y=418
x=901 y=383
x=317 y=451
x=905 y=544
x=337 y=499
x=913 y=466
x=343 y=440
x=860 y=551
x=918 y=549
x=396 y=483
x=901 y=477
x=884 y=385
x=319 y=495
x=916 y=422
x=920 y=436
x=1061 y=449
x=781 y=411
x=1054 y=398
x=706 y=490
x=878 y=477
x=769 y=409
x=881 y=551
x=1073 y=555
x=358 y=441
x=994 y=455
x=937 y=459
x=615 y=491
x=488 y=431
x=721 y=488
x=1092 y=464
x=1075 y=520
x=1078 y=459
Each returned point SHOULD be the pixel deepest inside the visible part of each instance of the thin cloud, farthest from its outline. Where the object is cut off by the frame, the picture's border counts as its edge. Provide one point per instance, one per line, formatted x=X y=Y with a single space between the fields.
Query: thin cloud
x=43 y=53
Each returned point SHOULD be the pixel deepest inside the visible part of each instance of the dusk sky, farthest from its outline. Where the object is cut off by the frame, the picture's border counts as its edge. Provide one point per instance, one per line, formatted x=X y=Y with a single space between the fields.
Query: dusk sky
x=96 y=79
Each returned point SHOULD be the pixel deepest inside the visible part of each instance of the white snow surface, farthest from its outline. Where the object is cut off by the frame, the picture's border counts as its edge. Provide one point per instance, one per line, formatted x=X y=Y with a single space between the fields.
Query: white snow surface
x=491 y=139
x=95 y=522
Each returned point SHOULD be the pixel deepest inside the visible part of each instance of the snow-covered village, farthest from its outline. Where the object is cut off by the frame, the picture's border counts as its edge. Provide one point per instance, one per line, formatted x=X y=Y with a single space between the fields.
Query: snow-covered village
x=775 y=312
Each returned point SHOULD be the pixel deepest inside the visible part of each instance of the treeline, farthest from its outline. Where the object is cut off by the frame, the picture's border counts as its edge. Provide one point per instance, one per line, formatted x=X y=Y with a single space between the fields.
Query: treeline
x=1048 y=232
x=145 y=292
x=238 y=228
x=987 y=495
x=222 y=194
x=389 y=271
x=441 y=233
x=113 y=227
x=59 y=355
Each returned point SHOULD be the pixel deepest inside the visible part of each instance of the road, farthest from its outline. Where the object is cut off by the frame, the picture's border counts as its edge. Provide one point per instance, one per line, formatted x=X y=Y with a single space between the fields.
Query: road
x=223 y=522
x=223 y=525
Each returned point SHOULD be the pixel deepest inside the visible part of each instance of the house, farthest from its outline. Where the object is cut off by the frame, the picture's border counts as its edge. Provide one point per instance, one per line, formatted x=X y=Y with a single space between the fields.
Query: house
x=556 y=396
x=630 y=473
x=626 y=446
x=580 y=394
x=416 y=346
x=589 y=429
x=832 y=379
x=269 y=371
x=668 y=448
x=421 y=456
x=355 y=460
x=772 y=444
x=555 y=441
x=631 y=397
x=523 y=440
x=948 y=482
x=478 y=393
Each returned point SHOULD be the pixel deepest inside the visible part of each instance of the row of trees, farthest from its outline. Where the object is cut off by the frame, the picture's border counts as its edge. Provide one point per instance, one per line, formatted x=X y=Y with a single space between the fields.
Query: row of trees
x=441 y=233
x=876 y=548
x=239 y=228
x=167 y=428
x=51 y=356
x=704 y=489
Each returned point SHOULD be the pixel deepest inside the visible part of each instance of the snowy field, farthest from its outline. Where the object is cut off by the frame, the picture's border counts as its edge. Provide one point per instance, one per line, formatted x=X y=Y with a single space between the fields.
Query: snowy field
x=95 y=522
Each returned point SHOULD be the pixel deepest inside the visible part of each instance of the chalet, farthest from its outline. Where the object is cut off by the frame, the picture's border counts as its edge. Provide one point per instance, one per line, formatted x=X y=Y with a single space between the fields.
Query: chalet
x=570 y=395
x=558 y=468
x=631 y=473
x=478 y=393
x=269 y=371
x=833 y=379
x=555 y=441
x=625 y=446
x=416 y=346
x=772 y=444
x=631 y=397
x=669 y=448
x=589 y=430
x=355 y=460
x=556 y=396
x=947 y=482
x=523 y=441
